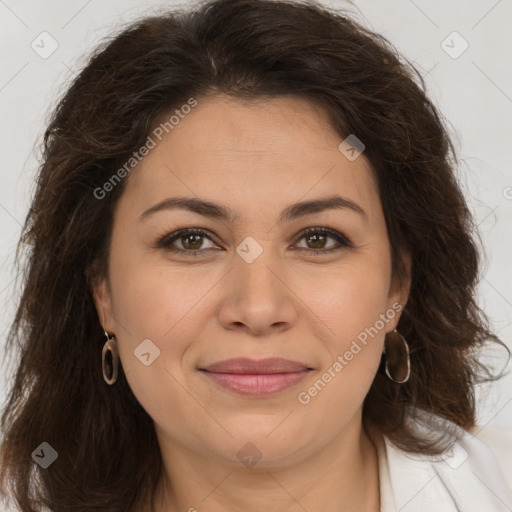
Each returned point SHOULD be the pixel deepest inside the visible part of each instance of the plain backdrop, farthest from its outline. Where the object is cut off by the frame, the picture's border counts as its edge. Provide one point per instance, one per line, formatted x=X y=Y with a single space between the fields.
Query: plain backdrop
x=462 y=48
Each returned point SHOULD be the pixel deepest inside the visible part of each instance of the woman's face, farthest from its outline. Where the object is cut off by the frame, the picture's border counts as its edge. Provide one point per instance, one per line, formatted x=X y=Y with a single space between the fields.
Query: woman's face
x=258 y=289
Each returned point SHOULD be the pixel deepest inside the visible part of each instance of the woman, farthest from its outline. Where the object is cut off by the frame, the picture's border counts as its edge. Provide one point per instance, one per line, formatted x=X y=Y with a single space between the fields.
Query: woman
x=251 y=281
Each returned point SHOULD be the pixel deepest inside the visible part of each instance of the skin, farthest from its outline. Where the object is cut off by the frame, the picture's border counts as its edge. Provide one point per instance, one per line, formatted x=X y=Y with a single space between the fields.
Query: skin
x=257 y=158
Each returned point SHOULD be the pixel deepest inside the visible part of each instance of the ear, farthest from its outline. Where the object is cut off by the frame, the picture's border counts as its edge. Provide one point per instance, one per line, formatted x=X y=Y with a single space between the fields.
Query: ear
x=399 y=293
x=102 y=296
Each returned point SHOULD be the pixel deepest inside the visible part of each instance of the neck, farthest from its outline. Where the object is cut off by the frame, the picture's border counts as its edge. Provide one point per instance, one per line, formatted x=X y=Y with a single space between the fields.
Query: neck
x=342 y=476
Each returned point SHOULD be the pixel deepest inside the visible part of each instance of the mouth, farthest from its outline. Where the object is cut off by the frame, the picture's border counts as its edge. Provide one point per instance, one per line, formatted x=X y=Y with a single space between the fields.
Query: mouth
x=251 y=377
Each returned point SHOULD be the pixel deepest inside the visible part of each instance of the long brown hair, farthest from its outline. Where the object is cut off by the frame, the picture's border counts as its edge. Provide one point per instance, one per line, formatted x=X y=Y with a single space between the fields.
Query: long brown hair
x=108 y=455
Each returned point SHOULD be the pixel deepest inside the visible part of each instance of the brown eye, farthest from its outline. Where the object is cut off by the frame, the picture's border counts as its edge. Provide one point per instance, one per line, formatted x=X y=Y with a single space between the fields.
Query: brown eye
x=317 y=240
x=191 y=240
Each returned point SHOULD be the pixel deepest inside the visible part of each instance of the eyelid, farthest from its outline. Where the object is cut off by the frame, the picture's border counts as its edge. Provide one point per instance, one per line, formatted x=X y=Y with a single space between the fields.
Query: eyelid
x=333 y=233
x=165 y=241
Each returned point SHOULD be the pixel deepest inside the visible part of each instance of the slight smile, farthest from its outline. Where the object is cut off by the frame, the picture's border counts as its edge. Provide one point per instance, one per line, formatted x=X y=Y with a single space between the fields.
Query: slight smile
x=250 y=377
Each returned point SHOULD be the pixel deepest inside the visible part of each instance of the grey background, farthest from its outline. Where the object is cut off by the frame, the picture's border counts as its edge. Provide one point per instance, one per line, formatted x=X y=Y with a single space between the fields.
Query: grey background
x=473 y=91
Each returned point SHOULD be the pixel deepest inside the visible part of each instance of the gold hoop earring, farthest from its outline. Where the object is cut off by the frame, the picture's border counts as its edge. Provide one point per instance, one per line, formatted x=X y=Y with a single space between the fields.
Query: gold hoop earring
x=110 y=370
x=398 y=362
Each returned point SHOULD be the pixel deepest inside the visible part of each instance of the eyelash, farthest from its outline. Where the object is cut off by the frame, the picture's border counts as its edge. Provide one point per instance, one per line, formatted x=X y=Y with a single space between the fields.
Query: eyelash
x=165 y=241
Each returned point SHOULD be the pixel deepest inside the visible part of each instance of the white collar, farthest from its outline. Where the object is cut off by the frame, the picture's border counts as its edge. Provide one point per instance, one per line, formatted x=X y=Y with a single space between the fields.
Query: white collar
x=466 y=479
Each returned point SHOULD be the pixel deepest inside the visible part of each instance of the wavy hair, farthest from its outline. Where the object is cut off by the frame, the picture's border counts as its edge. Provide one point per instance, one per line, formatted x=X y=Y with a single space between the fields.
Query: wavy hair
x=247 y=49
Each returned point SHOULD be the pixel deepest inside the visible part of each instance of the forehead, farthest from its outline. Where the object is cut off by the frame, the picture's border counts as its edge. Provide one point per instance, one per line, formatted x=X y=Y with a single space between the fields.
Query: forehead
x=258 y=153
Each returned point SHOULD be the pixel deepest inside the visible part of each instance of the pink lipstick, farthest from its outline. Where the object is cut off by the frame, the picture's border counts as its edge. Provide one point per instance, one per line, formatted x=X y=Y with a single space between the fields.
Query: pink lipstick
x=252 y=377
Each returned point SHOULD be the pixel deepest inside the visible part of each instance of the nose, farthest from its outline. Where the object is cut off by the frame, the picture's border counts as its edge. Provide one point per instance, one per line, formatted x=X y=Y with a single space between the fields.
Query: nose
x=257 y=298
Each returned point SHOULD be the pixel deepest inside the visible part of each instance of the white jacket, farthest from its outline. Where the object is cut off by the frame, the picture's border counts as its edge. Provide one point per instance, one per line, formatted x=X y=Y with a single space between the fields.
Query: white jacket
x=475 y=476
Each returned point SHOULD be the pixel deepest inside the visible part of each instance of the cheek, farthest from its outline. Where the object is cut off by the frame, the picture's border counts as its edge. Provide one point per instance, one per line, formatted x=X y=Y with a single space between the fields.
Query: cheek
x=167 y=304
x=153 y=303
x=151 y=294
x=354 y=307
x=150 y=302
x=353 y=297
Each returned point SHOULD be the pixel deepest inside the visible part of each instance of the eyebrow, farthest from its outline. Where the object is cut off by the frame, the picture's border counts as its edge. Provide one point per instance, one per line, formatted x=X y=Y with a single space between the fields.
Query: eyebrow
x=218 y=211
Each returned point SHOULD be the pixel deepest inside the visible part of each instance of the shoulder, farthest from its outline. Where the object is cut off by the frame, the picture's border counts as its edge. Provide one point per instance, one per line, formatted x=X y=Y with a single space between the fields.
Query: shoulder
x=499 y=442
x=475 y=474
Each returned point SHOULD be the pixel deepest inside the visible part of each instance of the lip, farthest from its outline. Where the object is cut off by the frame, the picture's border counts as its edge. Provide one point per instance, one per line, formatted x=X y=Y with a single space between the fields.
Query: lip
x=256 y=366
x=250 y=377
